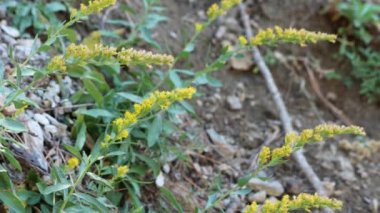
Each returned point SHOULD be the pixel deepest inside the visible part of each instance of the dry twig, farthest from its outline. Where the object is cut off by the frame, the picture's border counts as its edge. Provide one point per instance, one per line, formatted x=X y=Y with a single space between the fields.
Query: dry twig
x=284 y=115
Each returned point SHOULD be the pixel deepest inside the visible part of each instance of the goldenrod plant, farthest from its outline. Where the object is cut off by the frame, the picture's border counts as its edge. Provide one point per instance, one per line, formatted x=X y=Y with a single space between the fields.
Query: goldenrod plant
x=128 y=103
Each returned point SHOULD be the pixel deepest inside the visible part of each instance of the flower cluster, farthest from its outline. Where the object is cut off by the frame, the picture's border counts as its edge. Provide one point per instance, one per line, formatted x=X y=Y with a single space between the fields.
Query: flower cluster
x=215 y=10
x=300 y=202
x=132 y=56
x=278 y=35
x=294 y=141
x=57 y=63
x=157 y=100
x=83 y=52
x=94 y=6
x=72 y=163
x=122 y=170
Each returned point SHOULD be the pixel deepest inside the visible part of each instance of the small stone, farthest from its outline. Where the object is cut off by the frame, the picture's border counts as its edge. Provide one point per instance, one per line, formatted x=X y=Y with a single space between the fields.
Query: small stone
x=160 y=180
x=220 y=32
x=234 y=103
x=166 y=168
x=13 y=32
x=51 y=129
x=294 y=185
x=242 y=63
x=232 y=24
x=258 y=197
x=274 y=188
x=331 y=96
x=41 y=119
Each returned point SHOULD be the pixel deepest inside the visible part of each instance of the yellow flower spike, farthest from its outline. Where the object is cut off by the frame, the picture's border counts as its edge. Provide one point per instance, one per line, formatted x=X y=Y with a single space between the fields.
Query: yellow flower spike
x=264 y=155
x=291 y=138
x=95 y=6
x=290 y=35
x=213 y=11
x=122 y=135
x=132 y=56
x=199 y=27
x=306 y=135
x=57 y=63
x=270 y=206
x=282 y=152
x=122 y=171
x=243 y=41
x=72 y=163
x=251 y=208
x=284 y=205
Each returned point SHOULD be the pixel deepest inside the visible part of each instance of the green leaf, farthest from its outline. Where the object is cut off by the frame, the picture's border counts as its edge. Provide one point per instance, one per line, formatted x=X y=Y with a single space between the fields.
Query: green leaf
x=56 y=188
x=171 y=198
x=154 y=131
x=175 y=79
x=211 y=200
x=81 y=137
x=12 y=125
x=7 y=195
x=92 y=201
x=93 y=91
x=73 y=151
x=55 y=7
x=99 y=179
x=70 y=34
x=131 y=97
x=9 y=156
x=96 y=113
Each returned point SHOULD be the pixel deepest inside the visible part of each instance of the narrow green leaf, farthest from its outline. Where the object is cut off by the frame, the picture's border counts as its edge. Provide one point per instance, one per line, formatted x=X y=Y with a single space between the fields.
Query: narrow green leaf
x=55 y=188
x=9 y=156
x=130 y=96
x=96 y=113
x=12 y=125
x=91 y=201
x=93 y=91
x=73 y=151
x=81 y=137
x=154 y=131
x=171 y=198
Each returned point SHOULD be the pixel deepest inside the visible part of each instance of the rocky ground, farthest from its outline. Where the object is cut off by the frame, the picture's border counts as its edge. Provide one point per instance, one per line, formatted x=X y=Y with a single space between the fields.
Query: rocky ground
x=235 y=120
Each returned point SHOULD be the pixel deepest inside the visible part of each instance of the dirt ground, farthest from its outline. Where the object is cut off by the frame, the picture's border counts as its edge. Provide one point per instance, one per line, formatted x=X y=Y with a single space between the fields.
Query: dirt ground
x=349 y=174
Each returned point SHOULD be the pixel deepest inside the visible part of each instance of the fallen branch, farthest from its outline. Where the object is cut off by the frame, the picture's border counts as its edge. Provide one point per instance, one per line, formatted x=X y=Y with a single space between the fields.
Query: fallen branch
x=284 y=115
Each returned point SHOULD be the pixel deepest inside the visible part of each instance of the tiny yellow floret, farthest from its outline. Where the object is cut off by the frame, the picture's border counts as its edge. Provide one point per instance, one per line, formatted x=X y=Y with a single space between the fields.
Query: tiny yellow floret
x=57 y=63
x=95 y=6
x=122 y=170
x=72 y=163
x=264 y=155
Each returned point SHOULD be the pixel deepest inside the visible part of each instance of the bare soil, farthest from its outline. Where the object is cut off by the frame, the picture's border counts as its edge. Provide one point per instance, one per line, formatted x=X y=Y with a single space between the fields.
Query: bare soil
x=350 y=176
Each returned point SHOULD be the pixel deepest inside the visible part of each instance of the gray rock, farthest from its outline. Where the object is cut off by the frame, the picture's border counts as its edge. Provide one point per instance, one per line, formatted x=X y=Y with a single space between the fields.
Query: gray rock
x=258 y=197
x=220 y=32
x=10 y=31
x=41 y=119
x=274 y=188
x=234 y=103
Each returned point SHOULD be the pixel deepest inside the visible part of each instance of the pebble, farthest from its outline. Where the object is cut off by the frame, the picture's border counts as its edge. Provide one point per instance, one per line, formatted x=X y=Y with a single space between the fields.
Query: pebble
x=242 y=64
x=234 y=103
x=41 y=119
x=220 y=32
x=259 y=196
x=13 y=32
x=274 y=188
x=51 y=129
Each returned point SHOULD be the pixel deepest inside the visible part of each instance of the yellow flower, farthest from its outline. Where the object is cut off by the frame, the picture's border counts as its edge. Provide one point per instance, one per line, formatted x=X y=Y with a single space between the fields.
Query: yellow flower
x=198 y=27
x=282 y=152
x=57 y=63
x=264 y=155
x=132 y=56
x=291 y=138
x=307 y=202
x=243 y=41
x=122 y=135
x=251 y=208
x=290 y=35
x=72 y=163
x=122 y=170
x=95 y=6
x=306 y=135
x=215 y=11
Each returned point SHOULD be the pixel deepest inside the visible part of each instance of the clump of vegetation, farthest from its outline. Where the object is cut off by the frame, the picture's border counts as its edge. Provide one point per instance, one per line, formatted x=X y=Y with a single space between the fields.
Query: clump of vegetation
x=129 y=121
x=358 y=45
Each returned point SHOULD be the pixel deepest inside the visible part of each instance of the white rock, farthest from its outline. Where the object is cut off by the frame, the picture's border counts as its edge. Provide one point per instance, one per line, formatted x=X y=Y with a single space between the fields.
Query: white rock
x=160 y=180
x=166 y=168
x=220 y=32
x=10 y=31
x=274 y=188
x=51 y=129
x=234 y=103
x=258 y=197
x=41 y=119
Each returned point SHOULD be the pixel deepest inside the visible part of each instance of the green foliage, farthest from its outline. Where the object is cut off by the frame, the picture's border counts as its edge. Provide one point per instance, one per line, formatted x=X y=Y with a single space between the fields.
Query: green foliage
x=356 y=45
x=38 y=15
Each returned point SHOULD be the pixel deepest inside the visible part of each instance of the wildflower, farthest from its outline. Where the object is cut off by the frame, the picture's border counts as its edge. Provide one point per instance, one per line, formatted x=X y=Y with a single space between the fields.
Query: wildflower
x=291 y=138
x=243 y=41
x=290 y=35
x=95 y=6
x=57 y=63
x=132 y=56
x=306 y=134
x=300 y=202
x=81 y=51
x=157 y=100
x=122 y=170
x=251 y=208
x=198 y=27
x=264 y=155
x=282 y=152
x=72 y=163
x=215 y=11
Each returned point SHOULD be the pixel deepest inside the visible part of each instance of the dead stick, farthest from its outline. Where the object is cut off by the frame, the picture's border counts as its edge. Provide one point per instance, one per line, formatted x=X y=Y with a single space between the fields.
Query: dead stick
x=315 y=86
x=284 y=115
